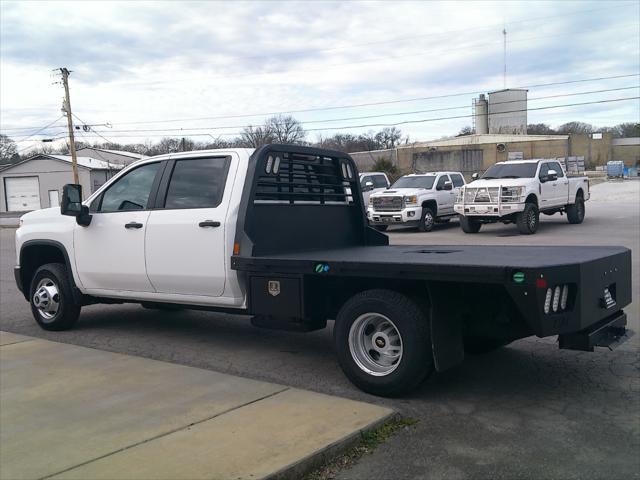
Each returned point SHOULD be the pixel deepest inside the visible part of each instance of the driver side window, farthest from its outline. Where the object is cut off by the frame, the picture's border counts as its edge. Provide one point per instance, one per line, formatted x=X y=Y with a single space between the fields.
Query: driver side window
x=544 y=170
x=130 y=192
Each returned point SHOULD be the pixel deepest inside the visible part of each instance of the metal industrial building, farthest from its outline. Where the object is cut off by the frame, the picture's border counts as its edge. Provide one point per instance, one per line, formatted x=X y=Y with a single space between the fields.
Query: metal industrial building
x=476 y=153
x=37 y=181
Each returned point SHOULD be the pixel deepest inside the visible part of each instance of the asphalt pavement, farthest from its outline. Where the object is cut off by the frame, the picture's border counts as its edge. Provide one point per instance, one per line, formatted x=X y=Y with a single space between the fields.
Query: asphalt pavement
x=528 y=410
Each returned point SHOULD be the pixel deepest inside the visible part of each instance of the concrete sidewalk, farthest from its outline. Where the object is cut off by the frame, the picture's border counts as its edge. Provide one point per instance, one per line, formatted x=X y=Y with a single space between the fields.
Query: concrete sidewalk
x=76 y=412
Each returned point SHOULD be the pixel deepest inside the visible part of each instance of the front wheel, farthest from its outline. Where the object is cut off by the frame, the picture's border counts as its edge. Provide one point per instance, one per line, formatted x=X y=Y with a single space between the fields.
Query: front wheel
x=383 y=343
x=427 y=219
x=51 y=298
x=469 y=225
x=528 y=220
x=576 y=211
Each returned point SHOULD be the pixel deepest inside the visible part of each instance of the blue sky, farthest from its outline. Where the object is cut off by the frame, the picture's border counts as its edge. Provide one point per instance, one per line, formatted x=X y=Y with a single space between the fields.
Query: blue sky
x=136 y=62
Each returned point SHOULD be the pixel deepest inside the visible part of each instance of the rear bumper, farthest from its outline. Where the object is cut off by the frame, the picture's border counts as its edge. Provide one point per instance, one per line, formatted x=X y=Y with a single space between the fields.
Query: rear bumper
x=611 y=332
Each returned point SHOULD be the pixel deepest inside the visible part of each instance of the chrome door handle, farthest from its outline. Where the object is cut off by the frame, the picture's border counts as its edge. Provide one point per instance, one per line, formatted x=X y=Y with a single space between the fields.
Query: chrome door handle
x=209 y=223
x=133 y=225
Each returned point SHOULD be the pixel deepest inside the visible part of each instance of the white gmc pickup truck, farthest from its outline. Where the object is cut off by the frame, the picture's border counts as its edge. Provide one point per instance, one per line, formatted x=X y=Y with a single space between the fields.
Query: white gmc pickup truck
x=421 y=200
x=281 y=234
x=518 y=191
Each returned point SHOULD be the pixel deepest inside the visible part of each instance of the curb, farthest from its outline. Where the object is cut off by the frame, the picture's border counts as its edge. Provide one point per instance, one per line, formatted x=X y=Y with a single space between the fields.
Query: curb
x=303 y=466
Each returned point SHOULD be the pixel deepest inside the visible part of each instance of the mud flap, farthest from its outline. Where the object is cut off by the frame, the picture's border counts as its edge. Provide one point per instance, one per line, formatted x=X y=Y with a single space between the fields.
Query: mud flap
x=446 y=328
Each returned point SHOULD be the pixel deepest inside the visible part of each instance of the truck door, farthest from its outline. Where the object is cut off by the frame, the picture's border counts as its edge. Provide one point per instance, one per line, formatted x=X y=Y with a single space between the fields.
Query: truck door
x=548 y=188
x=186 y=252
x=444 y=198
x=562 y=188
x=109 y=253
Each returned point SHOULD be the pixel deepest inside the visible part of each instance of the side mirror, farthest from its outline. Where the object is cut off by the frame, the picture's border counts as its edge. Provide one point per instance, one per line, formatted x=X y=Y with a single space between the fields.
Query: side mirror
x=368 y=186
x=552 y=175
x=448 y=186
x=475 y=176
x=71 y=204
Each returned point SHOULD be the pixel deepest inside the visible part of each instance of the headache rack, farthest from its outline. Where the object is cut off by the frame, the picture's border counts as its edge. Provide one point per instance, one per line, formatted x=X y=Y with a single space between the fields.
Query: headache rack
x=297 y=178
x=301 y=198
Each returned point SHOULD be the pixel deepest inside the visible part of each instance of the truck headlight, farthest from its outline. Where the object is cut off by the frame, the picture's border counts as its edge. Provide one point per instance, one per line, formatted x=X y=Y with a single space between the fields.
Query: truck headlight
x=370 y=202
x=411 y=200
x=512 y=194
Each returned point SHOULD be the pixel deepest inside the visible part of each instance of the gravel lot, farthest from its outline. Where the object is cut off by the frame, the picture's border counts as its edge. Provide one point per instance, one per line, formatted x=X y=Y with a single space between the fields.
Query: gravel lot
x=526 y=411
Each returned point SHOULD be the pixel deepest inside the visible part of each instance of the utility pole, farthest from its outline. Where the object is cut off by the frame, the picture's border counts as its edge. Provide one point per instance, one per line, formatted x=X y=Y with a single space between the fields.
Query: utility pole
x=67 y=110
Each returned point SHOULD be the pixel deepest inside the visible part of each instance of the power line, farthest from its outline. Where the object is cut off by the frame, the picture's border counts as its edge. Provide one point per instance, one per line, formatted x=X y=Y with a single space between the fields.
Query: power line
x=184 y=130
x=41 y=129
x=371 y=104
x=359 y=105
x=406 y=122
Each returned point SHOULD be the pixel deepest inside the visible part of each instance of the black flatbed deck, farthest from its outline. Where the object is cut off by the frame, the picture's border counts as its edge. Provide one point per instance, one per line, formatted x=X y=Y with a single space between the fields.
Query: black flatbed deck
x=472 y=263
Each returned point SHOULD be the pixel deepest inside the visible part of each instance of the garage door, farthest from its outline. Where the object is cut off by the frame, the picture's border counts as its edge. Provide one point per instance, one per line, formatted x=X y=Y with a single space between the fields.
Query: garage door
x=23 y=193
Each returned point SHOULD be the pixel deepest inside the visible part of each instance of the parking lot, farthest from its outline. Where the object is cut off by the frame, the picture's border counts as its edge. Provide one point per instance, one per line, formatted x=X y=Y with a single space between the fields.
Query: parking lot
x=526 y=411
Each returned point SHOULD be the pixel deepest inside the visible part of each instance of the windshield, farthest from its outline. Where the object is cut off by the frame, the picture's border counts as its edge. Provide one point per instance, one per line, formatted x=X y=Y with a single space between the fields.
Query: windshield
x=511 y=170
x=415 y=182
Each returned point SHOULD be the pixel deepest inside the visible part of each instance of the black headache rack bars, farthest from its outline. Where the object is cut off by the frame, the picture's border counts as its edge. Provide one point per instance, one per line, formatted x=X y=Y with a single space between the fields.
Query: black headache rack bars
x=301 y=199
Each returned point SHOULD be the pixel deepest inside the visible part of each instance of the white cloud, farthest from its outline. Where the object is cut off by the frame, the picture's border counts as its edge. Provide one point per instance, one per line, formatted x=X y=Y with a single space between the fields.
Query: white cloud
x=147 y=61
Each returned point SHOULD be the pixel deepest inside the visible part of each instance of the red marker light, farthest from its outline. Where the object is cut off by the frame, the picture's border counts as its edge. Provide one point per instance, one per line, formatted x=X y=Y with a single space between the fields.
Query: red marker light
x=541 y=283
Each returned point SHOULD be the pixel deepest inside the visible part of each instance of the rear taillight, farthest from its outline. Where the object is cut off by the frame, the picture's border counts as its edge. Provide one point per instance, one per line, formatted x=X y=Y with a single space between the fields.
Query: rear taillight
x=556 y=299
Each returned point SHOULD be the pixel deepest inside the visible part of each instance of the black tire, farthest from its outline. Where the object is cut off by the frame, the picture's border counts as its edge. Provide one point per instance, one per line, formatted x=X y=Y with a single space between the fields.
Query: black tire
x=576 y=211
x=469 y=225
x=529 y=219
x=412 y=323
x=479 y=346
x=52 y=285
x=427 y=219
x=381 y=228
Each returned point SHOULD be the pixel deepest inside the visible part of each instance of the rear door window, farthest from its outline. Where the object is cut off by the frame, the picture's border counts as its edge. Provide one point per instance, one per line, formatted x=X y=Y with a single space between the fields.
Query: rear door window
x=379 y=181
x=197 y=183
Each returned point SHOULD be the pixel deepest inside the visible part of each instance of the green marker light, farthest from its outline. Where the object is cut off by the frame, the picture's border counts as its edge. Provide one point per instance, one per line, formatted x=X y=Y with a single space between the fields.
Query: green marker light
x=518 y=277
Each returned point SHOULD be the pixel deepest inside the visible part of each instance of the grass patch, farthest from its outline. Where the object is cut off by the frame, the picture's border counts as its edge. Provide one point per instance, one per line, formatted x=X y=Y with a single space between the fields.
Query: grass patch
x=368 y=442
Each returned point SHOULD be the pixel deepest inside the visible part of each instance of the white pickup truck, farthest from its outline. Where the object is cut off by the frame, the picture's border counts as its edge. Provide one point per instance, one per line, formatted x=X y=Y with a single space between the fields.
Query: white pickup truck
x=373 y=182
x=281 y=234
x=421 y=200
x=518 y=191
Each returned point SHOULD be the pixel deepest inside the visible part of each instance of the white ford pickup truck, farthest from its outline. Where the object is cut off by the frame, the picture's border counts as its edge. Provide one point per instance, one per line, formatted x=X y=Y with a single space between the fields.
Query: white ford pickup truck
x=420 y=200
x=518 y=191
x=281 y=234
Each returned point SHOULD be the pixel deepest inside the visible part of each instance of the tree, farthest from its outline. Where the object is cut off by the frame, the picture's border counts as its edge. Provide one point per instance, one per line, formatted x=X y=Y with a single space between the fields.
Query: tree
x=285 y=129
x=465 y=131
x=254 y=137
x=575 y=127
x=8 y=150
x=388 y=137
x=626 y=130
x=386 y=166
x=540 y=129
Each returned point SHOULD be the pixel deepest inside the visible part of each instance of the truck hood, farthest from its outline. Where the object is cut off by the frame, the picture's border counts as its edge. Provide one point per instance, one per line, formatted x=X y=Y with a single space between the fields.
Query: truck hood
x=45 y=215
x=395 y=192
x=505 y=182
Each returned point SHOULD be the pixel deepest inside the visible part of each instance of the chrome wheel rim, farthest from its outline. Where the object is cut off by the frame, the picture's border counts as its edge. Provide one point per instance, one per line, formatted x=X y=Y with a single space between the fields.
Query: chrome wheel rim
x=428 y=220
x=46 y=298
x=375 y=344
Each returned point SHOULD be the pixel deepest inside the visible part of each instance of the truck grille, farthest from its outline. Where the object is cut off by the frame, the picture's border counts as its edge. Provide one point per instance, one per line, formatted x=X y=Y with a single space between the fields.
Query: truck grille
x=481 y=195
x=387 y=204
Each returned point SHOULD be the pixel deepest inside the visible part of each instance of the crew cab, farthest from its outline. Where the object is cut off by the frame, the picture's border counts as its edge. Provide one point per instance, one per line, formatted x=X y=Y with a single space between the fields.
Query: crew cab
x=420 y=200
x=373 y=182
x=518 y=191
x=281 y=234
